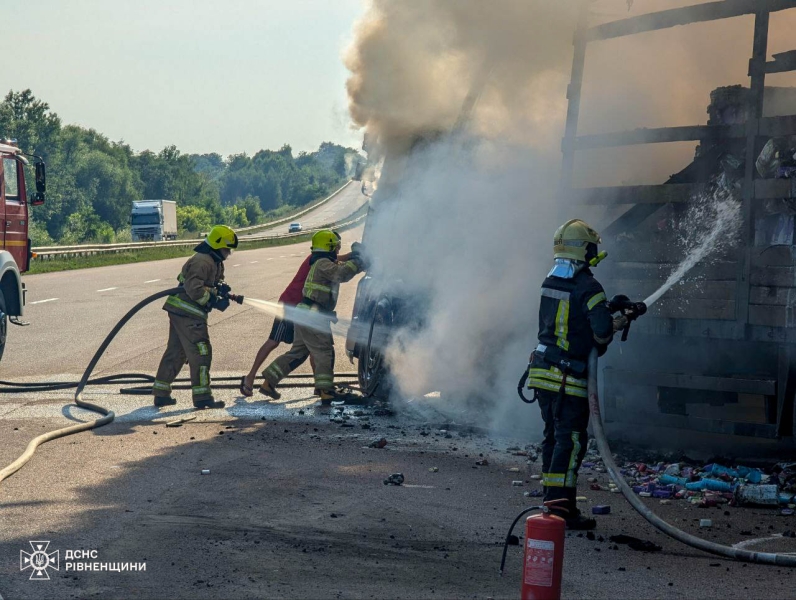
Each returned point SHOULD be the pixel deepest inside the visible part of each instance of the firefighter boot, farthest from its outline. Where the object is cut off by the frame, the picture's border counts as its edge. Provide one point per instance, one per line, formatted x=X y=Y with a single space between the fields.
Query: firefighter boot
x=209 y=403
x=575 y=520
x=266 y=389
x=334 y=395
x=161 y=401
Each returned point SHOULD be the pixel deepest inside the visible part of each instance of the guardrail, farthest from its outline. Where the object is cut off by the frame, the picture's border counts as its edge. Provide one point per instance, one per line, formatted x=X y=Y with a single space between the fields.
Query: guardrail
x=298 y=214
x=55 y=252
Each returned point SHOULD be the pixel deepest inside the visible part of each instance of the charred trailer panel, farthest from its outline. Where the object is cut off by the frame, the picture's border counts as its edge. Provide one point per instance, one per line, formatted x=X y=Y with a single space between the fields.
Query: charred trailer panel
x=715 y=360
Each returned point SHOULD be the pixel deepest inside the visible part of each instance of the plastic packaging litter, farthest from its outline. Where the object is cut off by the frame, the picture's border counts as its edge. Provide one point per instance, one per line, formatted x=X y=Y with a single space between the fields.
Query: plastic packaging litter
x=601 y=509
x=759 y=495
x=713 y=485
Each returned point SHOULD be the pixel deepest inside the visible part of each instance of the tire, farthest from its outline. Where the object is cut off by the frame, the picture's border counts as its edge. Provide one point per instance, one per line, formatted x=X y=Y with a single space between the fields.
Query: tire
x=3 y=325
x=375 y=380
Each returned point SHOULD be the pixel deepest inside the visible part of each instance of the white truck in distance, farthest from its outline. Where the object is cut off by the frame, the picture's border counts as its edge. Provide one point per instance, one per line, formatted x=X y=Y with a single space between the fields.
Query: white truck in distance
x=154 y=220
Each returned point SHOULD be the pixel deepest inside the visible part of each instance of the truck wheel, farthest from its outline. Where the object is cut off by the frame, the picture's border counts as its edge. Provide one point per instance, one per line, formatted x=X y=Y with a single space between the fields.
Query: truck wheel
x=374 y=376
x=3 y=324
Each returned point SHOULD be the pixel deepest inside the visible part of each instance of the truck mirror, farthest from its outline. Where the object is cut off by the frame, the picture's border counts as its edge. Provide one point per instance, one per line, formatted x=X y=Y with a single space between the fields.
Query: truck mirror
x=41 y=185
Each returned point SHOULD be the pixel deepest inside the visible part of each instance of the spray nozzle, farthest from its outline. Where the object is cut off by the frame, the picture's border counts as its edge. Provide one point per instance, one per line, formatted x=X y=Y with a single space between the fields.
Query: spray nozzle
x=598 y=259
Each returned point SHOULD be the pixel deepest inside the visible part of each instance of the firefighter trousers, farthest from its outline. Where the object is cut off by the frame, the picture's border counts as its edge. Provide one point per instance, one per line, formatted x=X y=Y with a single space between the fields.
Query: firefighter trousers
x=306 y=342
x=566 y=419
x=189 y=341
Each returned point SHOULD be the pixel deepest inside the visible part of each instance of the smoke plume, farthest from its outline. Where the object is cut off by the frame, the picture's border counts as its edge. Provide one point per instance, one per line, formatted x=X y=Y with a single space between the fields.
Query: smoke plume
x=463 y=104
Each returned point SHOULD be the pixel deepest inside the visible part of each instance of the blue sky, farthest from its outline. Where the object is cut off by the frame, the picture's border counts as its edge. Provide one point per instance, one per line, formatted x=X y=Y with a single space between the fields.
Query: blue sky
x=208 y=76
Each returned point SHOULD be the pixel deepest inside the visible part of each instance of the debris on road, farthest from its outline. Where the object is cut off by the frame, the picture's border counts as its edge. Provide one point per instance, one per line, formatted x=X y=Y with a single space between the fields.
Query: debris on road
x=381 y=443
x=635 y=543
x=205 y=471
x=601 y=509
x=705 y=523
x=434 y=469
x=179 y=422
x=517 y=483
x=482 y=463
x=394 y=479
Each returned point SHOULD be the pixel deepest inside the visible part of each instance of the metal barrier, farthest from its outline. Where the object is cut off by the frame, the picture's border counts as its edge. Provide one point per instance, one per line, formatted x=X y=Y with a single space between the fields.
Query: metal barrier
x=56 y=252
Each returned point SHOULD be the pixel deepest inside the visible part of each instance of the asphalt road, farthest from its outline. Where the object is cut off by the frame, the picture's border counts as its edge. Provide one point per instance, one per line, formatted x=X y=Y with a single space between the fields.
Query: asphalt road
x=294 y=505
x=338 y=208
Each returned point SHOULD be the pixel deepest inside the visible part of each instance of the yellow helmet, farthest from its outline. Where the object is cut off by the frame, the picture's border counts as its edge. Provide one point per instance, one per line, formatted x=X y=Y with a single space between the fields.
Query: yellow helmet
x=221 y=237
x=573 y=238
x=325 y=240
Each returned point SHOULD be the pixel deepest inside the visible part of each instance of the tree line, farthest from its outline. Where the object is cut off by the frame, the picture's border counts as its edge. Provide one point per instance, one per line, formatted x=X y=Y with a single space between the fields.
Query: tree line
x=93 y=181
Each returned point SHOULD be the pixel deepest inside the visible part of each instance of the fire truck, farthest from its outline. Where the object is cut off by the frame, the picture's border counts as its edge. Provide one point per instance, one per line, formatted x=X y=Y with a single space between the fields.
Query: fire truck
x=15 y=254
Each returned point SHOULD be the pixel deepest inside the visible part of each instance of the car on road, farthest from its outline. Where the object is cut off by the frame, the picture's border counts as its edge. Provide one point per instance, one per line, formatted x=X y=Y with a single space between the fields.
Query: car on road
x=294 y=228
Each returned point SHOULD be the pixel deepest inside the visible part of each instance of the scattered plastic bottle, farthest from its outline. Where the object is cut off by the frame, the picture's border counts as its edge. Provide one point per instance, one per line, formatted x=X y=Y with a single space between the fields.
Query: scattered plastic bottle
x=713 y=485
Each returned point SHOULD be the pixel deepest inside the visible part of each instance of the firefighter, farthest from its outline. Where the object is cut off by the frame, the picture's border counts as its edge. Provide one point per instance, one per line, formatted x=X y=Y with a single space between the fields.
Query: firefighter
x=203 y=289
x=319 y=294
x=573 y=318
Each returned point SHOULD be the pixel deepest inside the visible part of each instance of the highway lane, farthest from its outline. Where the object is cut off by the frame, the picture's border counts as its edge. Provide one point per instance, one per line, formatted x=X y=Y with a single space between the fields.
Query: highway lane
x=341 y=206
x=71 y=311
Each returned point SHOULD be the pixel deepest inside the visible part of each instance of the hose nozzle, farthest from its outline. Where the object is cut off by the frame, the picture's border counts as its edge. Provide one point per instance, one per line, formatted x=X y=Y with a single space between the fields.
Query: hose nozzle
x=236 y=298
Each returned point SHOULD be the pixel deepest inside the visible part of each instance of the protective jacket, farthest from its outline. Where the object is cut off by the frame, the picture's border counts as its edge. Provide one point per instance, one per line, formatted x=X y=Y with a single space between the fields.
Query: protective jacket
x=323 y=281
x=198 y=279
x=573 y=318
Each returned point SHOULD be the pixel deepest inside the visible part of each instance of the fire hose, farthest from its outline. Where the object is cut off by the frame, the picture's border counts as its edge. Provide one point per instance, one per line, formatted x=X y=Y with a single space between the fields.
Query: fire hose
x=631 y=311
x=766 y=558
x=107 y=415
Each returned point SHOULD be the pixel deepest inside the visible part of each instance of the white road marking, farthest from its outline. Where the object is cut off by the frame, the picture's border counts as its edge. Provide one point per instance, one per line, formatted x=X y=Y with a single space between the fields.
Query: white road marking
x=236 y=265
x=152 y=281
x=270 y=259
x=107 y=289
x=43 y=301
x=252 y=262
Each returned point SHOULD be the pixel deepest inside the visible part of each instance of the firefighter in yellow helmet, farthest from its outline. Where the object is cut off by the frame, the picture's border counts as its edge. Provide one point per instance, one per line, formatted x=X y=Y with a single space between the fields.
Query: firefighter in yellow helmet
x=574 y=317
x=320 y=294
x=203 y=289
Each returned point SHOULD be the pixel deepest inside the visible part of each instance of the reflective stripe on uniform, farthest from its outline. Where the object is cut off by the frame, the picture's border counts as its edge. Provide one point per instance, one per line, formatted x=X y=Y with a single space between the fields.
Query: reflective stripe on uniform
x=542 y=384
x=352 y=265
x=161 y=385
x=554 y=374
x=202 y=348
x=562 y=324
x=553 y=479
x=204 y=299
x=189 y=308
x=200 y=390
x=310 y=285
x=596 y=299
x=204 y=375
x=572 y=476
x=557 y=294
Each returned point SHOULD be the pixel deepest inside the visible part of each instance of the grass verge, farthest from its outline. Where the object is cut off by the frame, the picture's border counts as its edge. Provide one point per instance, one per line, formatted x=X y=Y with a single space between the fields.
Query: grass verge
x=125 y=257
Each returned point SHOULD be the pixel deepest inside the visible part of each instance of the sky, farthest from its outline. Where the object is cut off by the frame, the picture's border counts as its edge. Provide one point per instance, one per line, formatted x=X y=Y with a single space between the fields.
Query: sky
x=224 y=76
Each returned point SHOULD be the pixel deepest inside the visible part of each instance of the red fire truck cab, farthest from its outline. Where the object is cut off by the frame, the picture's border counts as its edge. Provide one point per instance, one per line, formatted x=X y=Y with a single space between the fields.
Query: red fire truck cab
x=15 y=251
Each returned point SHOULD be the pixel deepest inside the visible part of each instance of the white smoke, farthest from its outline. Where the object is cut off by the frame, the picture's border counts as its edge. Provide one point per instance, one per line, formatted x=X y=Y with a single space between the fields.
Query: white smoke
x=470 y=229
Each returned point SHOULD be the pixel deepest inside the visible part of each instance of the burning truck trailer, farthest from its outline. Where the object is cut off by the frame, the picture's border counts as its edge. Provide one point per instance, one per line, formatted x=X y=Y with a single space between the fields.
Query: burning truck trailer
x=713 y=364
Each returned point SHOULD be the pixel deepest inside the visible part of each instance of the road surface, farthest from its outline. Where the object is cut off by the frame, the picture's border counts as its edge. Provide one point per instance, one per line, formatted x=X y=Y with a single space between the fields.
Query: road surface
x=335 y=210
x=294 y=504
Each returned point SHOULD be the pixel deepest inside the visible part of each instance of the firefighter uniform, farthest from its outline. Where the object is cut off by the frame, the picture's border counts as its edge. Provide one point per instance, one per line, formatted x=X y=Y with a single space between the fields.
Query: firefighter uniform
x=320 y=294
x=189 y=340
x=573 y=318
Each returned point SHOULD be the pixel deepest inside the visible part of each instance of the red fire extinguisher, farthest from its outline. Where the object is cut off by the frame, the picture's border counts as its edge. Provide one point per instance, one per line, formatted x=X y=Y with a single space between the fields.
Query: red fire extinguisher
x=543 y=553
x=543 y=557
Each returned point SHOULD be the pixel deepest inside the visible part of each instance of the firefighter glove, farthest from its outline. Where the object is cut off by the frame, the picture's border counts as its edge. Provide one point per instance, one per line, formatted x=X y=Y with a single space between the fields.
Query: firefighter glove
x=220 y=303
x=620 y=323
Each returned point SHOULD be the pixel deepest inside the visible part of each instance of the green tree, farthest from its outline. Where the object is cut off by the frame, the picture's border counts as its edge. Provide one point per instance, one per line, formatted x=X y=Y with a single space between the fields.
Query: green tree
x=194 y=219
